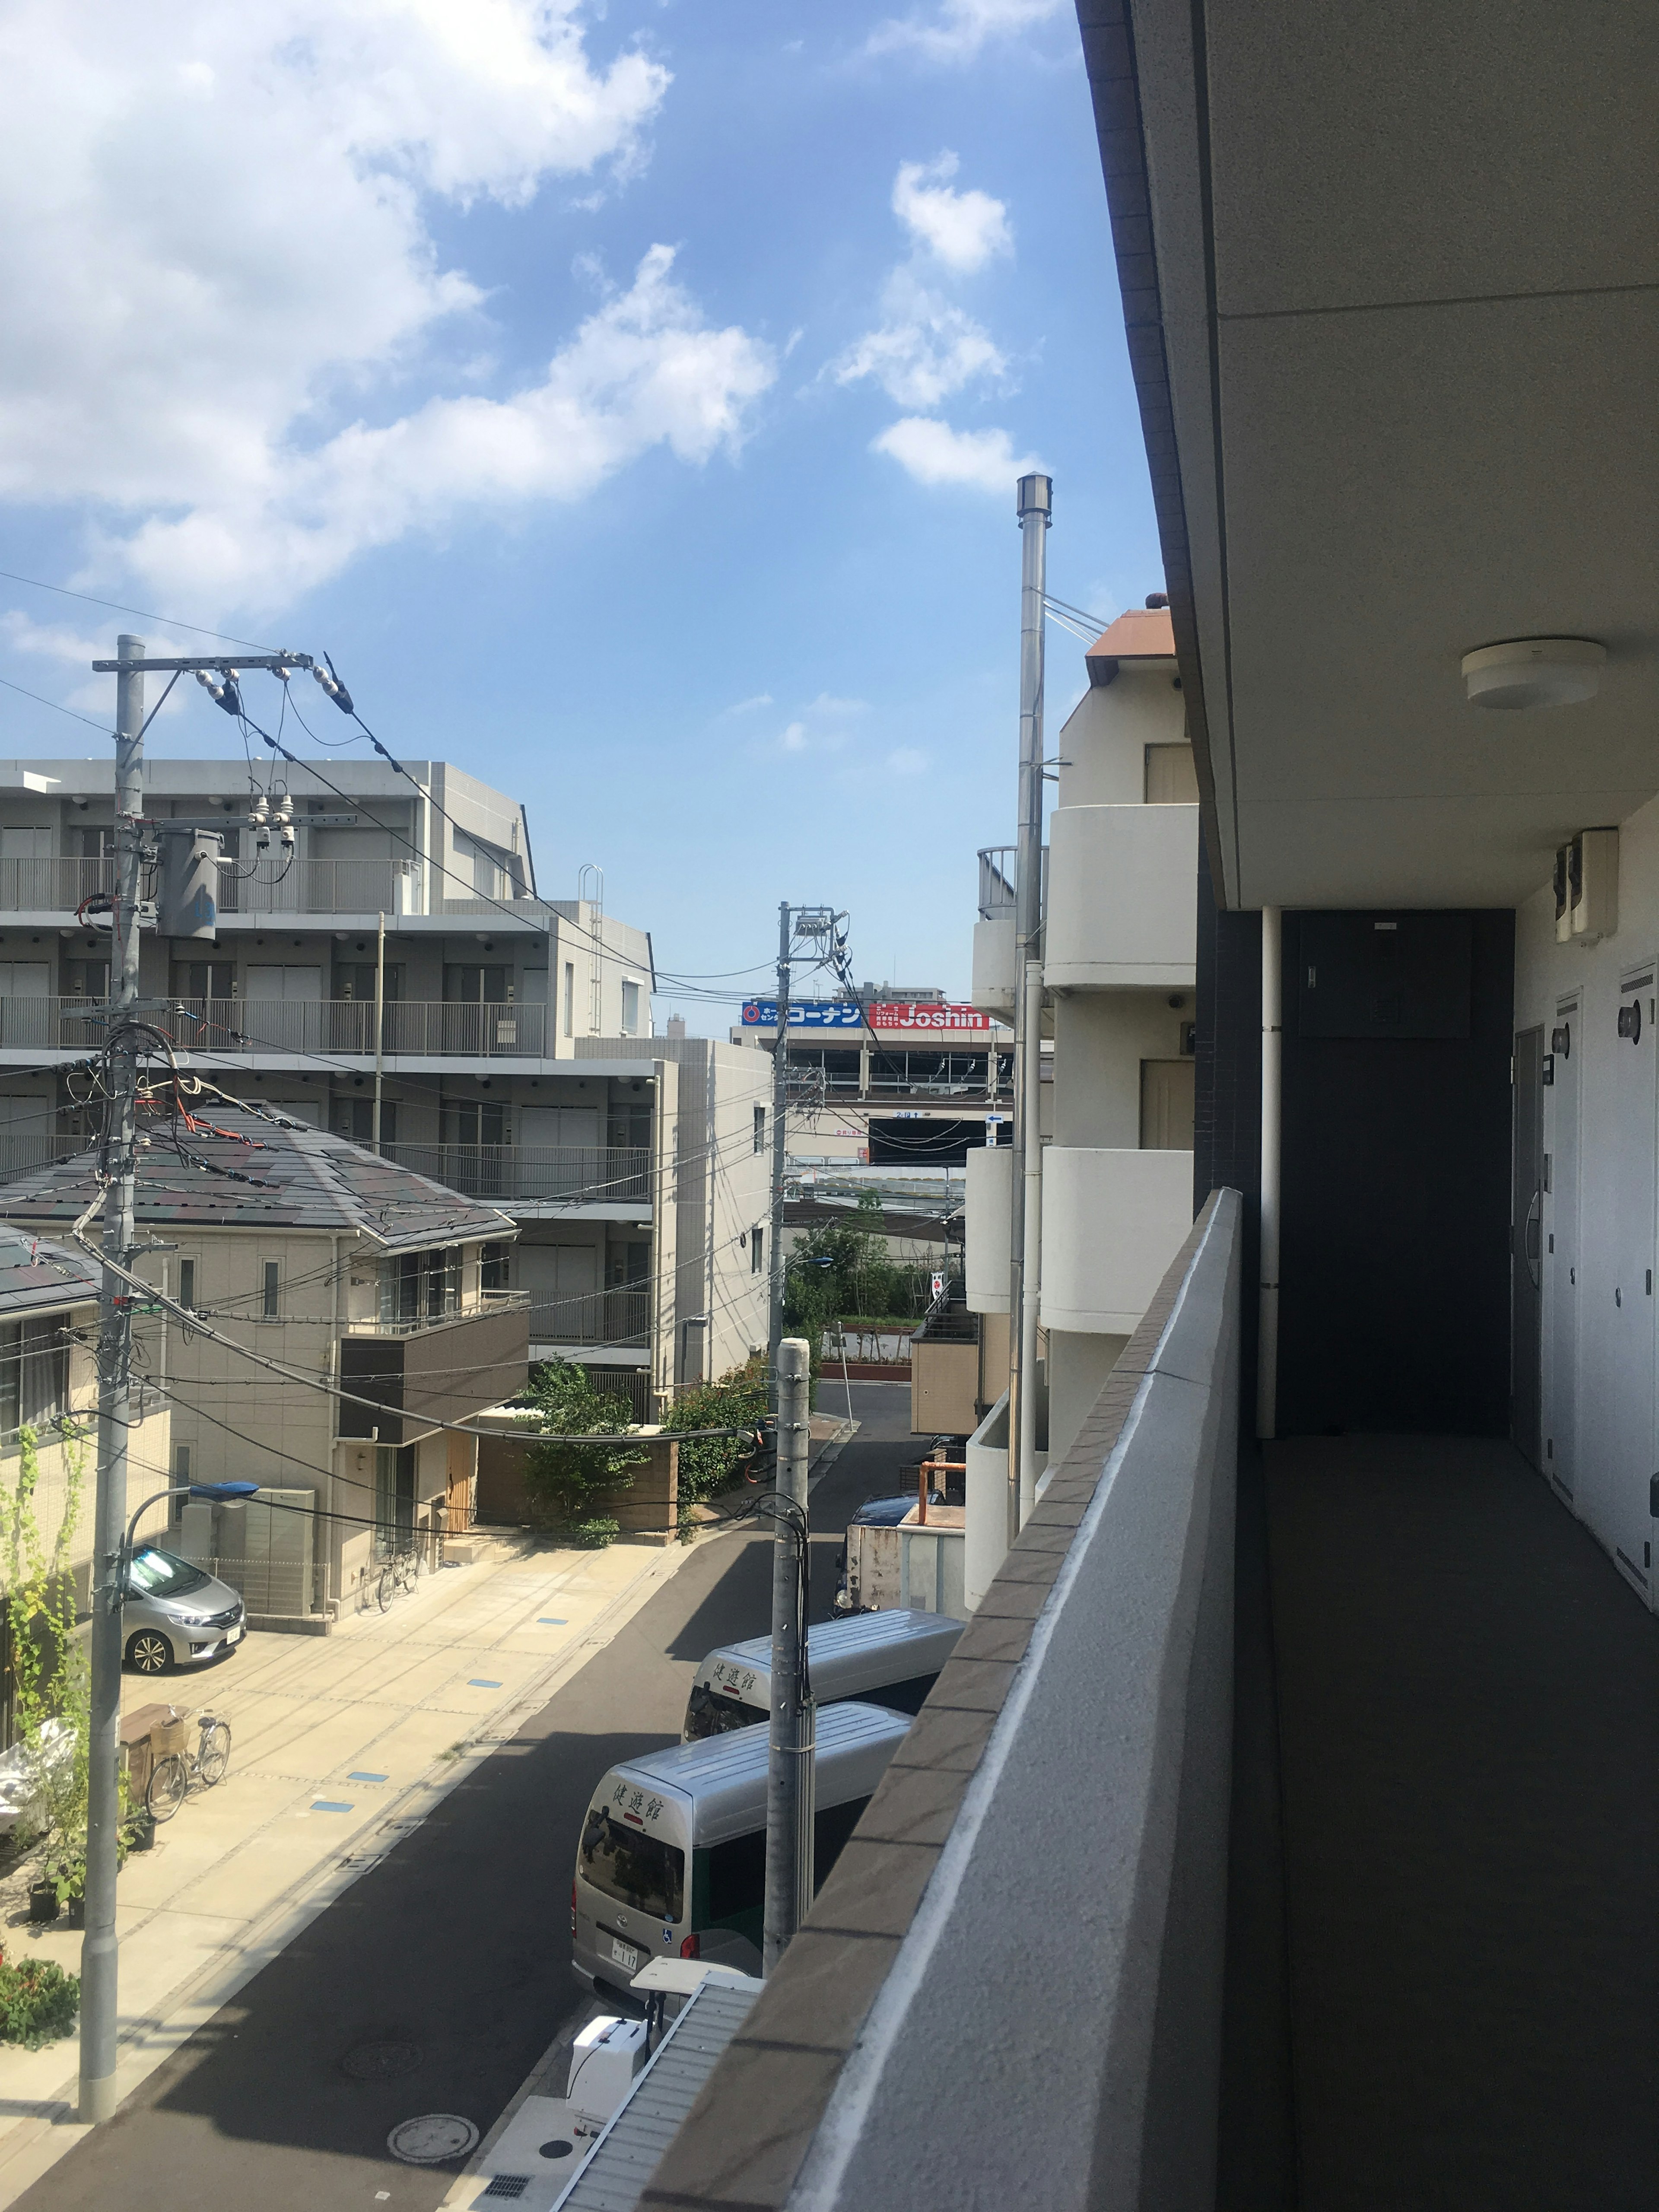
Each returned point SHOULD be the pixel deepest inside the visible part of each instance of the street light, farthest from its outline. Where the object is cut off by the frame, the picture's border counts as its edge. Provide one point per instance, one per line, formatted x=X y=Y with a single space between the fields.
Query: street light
x=217 y=1493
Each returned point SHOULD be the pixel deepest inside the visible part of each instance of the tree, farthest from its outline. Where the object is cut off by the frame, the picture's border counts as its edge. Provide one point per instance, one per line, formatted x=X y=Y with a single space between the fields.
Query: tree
x=565 y=1479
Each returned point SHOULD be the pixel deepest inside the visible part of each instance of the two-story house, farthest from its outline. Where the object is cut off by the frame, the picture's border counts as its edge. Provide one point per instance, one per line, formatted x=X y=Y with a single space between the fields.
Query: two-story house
x=349 y=1306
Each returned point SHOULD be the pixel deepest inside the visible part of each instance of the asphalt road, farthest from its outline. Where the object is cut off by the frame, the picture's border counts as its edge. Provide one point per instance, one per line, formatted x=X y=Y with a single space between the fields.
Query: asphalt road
x=459 y=1942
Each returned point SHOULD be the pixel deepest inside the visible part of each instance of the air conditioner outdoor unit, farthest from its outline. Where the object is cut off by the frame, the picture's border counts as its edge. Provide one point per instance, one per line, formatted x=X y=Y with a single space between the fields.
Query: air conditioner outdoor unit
x=1595 y=885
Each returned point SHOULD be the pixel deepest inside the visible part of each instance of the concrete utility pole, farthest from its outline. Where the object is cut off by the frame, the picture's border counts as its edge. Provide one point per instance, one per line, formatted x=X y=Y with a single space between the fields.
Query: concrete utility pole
x=779 y=1155
x=1035 y=503
x=98 y=1947
x=790 y=1806
x=99 y=1956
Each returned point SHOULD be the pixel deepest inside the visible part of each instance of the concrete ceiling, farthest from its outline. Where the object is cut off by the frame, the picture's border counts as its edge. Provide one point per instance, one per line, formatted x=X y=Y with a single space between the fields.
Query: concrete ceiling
x=1407 y=308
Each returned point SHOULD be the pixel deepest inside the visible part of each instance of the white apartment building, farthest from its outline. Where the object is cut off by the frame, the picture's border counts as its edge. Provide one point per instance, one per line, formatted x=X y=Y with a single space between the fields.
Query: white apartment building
x=494 y=1055
x=1118 y=970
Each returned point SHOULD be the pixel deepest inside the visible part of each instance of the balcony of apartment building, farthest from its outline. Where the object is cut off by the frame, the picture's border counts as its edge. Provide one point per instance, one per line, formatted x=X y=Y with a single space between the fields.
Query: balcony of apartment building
x=34 y=1020
x=603 y=1182
x=617 y=1320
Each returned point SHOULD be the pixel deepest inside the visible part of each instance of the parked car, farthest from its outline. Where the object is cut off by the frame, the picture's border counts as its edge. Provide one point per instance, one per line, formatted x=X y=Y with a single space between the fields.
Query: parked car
x=176 y=1614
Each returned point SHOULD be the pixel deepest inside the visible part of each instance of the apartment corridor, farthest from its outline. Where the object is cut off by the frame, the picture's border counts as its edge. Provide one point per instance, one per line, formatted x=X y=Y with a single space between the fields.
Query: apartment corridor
x=1443 y=1946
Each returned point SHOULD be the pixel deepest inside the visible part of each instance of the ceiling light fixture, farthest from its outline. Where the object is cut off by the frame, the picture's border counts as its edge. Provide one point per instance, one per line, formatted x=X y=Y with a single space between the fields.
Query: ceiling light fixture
x=1534 y=672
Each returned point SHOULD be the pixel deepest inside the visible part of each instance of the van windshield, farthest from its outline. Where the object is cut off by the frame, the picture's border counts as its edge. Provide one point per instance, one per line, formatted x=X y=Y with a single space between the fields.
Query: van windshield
x=634 y=1868
x=158 y=1574
x=709 y=1713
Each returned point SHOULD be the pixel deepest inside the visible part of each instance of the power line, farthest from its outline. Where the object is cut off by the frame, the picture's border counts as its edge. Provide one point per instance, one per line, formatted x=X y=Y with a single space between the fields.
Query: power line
x=144 y=614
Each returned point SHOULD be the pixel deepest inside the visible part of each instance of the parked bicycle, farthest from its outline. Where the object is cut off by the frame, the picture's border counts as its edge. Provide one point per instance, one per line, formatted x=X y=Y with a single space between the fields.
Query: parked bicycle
x=173 y=1775
x=401 y=1572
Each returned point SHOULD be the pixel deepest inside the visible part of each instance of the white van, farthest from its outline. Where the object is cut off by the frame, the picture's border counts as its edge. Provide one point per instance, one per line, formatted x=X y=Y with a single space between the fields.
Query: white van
x=672 y=1860
x=892 y=1658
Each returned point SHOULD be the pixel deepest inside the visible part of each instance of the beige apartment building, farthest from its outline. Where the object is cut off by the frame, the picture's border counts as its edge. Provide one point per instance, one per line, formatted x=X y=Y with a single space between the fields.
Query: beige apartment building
x=514 y=1052
x=349 y=1306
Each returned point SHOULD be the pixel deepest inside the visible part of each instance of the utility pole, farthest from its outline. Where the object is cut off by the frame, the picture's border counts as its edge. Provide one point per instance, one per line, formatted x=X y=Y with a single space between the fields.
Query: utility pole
x=1035 y=504
x=98 y=1958
x=98 y=1954
x=779 y=1159
x=792 y=1745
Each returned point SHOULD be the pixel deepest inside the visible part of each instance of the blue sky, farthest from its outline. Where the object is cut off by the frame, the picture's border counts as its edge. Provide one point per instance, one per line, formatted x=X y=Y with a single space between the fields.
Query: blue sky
x=630 y=400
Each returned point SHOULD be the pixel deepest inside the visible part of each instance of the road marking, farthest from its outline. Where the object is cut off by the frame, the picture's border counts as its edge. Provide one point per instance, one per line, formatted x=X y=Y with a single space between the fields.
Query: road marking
x=478 y=1682
x=356 y=1776
x=328 y=1805
x=546 y=1621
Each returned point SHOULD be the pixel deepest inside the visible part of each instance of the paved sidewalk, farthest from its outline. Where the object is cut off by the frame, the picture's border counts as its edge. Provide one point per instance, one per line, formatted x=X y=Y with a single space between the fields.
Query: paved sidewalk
x=339 y=1745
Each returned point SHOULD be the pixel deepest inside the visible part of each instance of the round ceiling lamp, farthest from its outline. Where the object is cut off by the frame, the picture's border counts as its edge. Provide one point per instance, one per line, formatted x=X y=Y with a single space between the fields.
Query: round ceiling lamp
x=1534 y=672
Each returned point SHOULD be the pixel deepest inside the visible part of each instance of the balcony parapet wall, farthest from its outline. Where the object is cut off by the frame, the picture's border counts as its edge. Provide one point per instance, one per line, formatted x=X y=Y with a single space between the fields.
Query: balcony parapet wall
x=1052 y=1834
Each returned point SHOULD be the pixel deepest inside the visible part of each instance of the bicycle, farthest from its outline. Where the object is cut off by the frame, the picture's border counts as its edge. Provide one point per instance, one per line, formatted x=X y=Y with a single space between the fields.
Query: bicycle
x=400 y=1572
x=171 y=1777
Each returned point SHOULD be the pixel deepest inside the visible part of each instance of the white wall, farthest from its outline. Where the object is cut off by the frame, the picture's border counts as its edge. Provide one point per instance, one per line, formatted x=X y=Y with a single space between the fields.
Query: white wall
x=1599 y=1353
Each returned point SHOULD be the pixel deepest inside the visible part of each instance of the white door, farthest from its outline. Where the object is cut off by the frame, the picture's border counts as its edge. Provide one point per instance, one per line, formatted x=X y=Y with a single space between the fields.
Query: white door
x=1622 y=1518
x=1561 y=1250
x=561 y=1147
x=276 y=1013
x=27 y=1007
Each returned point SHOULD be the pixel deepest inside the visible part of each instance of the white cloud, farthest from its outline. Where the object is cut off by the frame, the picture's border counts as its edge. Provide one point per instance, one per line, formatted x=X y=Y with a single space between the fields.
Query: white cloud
x=794 y=738
x=960 y=28
x=228 y=325
x=962 y=229
x=908 y=760
x=933 y=453
x=817 y=728
x=925 y=347
x=748 y=706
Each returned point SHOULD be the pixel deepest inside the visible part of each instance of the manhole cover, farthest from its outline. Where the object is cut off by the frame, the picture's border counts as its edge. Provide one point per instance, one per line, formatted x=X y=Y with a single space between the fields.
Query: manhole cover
x=380 y=2061
x=432 y=2138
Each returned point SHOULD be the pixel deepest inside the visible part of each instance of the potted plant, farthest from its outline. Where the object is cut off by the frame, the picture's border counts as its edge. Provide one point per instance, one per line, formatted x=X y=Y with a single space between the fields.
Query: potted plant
x=138 y=1834
x=67 y=1872
x=43 y=1899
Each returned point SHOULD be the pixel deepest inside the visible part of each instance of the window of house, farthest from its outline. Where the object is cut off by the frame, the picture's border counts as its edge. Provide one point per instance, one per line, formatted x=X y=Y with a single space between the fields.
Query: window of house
x=33 y=1373
x=492 y=1267
x=187 y=1283
x=270 y=1290
x=630 y=1009
x=421 y=1285
x=760 y=1128
x=466 y=985
x=474 y=1121
x=756 y=1251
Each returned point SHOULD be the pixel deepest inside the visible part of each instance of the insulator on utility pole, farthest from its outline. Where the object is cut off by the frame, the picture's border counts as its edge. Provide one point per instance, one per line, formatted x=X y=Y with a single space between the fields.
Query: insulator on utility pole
x=792 y=1745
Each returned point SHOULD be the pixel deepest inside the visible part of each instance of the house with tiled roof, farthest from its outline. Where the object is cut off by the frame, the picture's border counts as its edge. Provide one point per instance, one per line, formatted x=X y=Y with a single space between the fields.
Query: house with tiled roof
x=348 y=1307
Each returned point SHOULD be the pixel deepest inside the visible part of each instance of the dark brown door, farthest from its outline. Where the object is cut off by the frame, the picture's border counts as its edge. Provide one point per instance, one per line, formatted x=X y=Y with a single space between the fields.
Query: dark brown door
x=1527 y=1245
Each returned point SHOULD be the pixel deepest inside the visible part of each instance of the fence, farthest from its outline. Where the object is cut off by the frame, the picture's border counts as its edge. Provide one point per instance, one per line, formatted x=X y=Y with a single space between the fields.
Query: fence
x=618 y=1316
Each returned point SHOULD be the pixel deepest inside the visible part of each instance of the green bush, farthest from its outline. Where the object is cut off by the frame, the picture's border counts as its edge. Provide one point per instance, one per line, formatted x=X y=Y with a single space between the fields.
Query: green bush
x=38 y=2002
x=596 y=1534
x=710 y=1464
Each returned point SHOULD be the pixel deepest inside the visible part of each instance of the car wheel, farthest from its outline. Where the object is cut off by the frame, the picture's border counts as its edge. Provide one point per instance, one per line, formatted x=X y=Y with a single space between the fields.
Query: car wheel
x=149 y=1652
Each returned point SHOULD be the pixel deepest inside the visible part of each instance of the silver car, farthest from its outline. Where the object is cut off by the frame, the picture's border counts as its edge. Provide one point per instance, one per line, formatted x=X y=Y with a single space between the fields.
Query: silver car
x=176 y=1614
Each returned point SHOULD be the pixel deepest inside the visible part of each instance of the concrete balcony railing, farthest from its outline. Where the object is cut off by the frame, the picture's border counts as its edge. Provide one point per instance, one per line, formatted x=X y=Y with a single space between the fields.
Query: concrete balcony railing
x=1056 y=1820
x=1122 y=897
x=576 y=1175
x=1112 y=1222
x=488 y=1301
x=621 y=1316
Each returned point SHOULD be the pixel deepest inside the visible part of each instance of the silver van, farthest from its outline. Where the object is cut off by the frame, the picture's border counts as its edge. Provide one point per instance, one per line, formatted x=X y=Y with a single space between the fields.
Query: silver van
x=175 y=1613
x=891 y=1658
x=672 y=1860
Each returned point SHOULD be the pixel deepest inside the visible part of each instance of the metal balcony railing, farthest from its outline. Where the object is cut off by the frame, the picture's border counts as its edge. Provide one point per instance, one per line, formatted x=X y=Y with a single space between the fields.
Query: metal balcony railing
x=391 y=887
x=996 y=881
x=59 y=884
x=488 y=1301
x=583 y=1174
x=422 y=1027
x=615 y=1316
